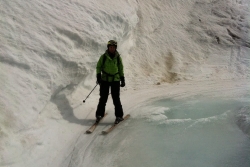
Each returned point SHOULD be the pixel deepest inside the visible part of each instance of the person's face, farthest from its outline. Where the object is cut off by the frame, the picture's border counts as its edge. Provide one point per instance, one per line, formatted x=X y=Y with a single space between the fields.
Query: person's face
x=112 y=49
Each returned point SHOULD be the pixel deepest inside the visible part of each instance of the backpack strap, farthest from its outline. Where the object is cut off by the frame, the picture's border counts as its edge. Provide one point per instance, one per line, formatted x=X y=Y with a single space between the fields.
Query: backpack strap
x=109 y=75
x=103 y=60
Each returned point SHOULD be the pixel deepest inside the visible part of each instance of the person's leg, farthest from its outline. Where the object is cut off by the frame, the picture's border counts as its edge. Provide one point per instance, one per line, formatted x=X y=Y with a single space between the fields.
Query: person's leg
x=104 y=93
x=115 y=92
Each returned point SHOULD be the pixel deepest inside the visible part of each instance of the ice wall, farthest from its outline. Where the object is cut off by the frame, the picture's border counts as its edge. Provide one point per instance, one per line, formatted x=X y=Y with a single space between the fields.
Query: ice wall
x=178 y=40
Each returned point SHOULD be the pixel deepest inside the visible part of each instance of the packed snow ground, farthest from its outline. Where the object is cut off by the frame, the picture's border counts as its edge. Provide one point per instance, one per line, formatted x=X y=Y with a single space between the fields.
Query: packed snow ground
x=49 y=51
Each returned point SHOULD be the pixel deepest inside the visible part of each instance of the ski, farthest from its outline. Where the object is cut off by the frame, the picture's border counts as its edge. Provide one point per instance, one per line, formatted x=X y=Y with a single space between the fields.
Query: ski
x=92 y=128
x=115 y=125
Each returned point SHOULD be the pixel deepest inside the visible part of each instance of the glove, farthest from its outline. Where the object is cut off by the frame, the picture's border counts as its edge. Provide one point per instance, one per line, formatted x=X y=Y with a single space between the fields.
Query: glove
x=99 y=79
x=122 y=81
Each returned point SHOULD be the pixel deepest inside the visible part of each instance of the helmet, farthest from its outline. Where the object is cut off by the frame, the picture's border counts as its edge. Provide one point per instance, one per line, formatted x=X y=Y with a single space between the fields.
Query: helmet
x=112 y=42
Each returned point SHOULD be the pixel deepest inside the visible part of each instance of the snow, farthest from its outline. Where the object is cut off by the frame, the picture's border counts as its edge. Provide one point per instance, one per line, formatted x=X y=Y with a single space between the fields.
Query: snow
x=49 y=50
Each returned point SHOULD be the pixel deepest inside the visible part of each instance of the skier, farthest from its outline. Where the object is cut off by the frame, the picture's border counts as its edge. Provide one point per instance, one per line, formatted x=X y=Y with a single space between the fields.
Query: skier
x=109 y=73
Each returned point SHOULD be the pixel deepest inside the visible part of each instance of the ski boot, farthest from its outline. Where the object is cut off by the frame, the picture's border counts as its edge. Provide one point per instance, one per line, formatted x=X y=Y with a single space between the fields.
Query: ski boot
x=98 y=118
x=118 y=120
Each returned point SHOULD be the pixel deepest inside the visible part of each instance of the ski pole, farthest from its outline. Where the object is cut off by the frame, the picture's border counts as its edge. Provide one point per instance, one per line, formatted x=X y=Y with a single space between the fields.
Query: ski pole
x=89 y=94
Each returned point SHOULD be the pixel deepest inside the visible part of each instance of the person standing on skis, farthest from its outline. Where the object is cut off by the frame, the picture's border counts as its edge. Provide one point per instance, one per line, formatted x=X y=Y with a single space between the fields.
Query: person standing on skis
x=109 y=73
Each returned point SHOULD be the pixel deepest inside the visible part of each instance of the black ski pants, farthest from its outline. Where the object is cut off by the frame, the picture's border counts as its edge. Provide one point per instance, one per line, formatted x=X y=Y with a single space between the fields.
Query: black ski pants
x=104 y=93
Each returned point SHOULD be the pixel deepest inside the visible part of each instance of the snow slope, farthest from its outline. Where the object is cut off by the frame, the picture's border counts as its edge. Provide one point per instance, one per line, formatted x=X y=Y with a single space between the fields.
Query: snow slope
x=49 y=51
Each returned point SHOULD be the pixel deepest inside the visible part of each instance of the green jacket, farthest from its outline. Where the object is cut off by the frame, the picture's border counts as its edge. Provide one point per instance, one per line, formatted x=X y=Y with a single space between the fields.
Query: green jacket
x=112 y=69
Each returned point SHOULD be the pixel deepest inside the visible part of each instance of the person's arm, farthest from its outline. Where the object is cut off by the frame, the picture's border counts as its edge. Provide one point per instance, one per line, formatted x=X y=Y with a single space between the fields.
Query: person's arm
x=120 y=67
x=99 y=65
x=121 y=72
x=98 y=70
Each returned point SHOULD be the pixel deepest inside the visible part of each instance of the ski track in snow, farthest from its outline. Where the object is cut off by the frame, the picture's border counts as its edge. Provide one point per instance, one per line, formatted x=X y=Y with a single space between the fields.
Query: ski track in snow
x=49 y=51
